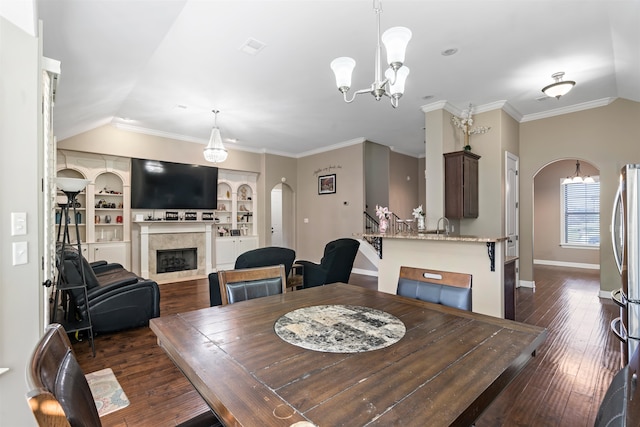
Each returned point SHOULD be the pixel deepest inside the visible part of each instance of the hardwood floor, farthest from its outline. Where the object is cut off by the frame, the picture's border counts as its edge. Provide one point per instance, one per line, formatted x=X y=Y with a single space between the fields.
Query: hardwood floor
x=562 y=386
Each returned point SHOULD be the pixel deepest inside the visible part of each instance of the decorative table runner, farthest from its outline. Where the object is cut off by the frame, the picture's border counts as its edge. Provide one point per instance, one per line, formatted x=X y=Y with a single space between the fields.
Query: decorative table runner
x=339 y=328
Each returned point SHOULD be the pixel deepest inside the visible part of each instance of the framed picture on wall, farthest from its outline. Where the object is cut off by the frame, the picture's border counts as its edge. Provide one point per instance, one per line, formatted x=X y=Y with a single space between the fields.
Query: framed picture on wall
x=327 y=184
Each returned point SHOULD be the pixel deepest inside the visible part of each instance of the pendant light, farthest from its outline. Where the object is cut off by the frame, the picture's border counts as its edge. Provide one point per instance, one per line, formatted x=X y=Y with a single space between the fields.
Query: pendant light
x=577 y=177
x=560 y=87
x=215 y=151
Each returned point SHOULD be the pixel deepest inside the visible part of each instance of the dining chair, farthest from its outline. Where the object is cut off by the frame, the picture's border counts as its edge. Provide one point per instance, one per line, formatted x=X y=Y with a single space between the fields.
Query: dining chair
x=440 y=287
x=261 y=257
x=249 y=283
x=59 y=393
x=620 y=406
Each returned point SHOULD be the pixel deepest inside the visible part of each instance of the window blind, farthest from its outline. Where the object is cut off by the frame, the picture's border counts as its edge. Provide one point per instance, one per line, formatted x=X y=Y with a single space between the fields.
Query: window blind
x=581 y=211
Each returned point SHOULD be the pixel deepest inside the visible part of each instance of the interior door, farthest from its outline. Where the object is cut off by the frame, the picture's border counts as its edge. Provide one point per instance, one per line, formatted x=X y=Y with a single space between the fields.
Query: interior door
x=276 y=216
x=512 y=206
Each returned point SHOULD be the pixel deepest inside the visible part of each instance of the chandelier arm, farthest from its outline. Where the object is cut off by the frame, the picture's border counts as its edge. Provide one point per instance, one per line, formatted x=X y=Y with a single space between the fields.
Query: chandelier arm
x=358 y=92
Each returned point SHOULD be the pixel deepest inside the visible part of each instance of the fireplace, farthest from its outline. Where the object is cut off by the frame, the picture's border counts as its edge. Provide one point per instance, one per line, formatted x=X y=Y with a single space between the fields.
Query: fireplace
x=172 y=260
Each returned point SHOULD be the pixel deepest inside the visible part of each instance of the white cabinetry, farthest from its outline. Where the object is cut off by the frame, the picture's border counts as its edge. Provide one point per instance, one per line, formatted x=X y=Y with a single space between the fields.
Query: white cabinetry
x=229 y=248
x=104 y=211
x=236 y=213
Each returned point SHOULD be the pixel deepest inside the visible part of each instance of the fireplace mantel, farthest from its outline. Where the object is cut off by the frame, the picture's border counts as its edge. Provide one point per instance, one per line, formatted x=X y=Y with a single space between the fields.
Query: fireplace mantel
x=146 y=229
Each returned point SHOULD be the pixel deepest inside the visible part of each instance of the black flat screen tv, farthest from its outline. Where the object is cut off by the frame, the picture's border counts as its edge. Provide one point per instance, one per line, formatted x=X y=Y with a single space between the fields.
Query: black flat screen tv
x=167 y=185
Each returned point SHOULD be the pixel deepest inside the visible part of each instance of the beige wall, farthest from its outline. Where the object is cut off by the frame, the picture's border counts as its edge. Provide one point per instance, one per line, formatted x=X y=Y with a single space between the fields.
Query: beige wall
x=606 y=137
x=376 y=173
x=328 y=216
x=547 y=215
x=403 y=184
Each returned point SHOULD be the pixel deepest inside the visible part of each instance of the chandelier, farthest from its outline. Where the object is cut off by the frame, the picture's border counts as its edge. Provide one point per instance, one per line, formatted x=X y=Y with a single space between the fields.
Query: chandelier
x=215 y=151
x=395 y=42
x=560 y=87
x=578 y=178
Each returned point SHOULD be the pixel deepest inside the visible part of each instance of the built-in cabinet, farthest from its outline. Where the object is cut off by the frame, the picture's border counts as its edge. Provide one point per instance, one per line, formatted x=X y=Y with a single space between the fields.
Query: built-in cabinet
x=103 y=209
x=236 y=230
x=229 y=248
x=461 y=184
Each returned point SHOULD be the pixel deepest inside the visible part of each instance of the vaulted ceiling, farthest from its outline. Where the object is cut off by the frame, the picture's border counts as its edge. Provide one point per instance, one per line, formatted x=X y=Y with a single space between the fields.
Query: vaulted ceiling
x=161 y=66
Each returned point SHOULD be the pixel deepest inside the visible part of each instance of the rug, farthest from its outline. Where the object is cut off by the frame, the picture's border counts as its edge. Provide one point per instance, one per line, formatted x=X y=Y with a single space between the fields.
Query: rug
x=106 y=390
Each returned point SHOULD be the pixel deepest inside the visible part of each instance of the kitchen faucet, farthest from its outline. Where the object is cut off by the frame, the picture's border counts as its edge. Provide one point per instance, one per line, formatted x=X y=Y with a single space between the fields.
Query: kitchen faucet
x=446 y=230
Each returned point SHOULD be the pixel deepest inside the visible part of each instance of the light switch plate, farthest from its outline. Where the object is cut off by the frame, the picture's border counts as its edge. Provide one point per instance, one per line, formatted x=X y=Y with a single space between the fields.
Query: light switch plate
x=20 y=253
x=18 y=223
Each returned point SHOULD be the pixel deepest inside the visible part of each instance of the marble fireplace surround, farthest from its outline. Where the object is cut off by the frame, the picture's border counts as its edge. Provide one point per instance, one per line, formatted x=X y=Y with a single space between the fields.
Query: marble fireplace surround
x=163 y=235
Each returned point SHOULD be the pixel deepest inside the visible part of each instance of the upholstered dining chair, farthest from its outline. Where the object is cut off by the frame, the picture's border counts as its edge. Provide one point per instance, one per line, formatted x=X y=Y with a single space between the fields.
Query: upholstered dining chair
x=59 y=394
x=620 y=406
x=440 y=287
x=261 y=257
x=249 y=283
x=335 y=265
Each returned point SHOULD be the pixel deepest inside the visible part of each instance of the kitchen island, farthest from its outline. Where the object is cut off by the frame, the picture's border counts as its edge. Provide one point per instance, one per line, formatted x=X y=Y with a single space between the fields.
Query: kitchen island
x=483 y=257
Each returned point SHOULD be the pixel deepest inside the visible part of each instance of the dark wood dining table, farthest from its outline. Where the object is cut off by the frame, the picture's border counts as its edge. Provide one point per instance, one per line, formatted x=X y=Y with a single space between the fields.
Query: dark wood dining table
x=446 y=369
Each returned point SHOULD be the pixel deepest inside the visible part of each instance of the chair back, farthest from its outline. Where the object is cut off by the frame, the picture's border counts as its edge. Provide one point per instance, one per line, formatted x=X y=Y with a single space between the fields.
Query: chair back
x=59 y=394
x=338 y=259
x=440 y=287
x=250 y=283
x=265 y=257
x=619 y=407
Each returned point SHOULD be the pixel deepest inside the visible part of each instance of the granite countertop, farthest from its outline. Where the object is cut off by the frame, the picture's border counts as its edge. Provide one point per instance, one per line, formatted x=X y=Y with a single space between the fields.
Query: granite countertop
x=433 y=236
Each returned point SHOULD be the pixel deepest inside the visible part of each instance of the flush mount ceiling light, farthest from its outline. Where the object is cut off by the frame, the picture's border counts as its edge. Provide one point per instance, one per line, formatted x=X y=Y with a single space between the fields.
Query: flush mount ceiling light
x=560 y=87
x=395 y=42
x=577 y=177
x=215 y=151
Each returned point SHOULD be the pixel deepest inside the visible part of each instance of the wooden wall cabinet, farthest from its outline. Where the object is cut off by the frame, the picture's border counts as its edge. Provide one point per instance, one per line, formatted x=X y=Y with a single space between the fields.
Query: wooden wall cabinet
x=461 y=185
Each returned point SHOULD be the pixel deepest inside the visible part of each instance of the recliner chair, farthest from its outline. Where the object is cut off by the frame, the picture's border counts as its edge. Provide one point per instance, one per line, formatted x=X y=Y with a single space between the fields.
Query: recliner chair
x=118 y=298
x=261 y=257
x=335 y=265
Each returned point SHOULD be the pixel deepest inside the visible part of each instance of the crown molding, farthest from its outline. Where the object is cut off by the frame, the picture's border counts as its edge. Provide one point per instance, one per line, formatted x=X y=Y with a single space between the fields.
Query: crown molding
x=566 y=110
x=348 y=143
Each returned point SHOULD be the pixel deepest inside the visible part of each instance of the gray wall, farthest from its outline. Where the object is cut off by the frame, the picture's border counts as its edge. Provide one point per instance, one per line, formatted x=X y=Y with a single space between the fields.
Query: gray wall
x=20 y=286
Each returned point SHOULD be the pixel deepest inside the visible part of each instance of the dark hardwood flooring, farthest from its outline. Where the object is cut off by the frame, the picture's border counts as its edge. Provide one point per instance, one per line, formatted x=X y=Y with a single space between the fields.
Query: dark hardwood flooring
x=562 y=386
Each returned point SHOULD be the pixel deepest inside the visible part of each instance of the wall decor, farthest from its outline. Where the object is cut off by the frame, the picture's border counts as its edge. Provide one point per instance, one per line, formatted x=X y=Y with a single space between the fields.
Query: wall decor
x=327 y=184
x=171 y=216
x=190 y=216
x=207 y=216
x=234 y=232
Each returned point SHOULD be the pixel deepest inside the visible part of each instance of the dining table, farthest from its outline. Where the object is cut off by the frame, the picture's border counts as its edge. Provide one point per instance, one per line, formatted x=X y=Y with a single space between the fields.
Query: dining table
x=343 y=355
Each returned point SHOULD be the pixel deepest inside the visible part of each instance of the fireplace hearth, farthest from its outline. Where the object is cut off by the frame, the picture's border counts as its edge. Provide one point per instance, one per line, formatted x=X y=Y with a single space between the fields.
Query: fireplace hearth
x=172 y=260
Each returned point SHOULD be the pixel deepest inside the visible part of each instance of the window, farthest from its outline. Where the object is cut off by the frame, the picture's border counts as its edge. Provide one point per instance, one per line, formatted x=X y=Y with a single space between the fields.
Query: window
x=581 y=214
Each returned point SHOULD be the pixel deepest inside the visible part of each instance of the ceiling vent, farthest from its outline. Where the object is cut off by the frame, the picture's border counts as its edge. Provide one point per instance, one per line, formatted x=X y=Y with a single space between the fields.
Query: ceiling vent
x=252 y=46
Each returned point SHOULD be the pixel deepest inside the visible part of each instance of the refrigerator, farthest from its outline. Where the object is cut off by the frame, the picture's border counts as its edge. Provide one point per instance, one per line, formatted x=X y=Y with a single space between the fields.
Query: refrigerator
x=625 y=236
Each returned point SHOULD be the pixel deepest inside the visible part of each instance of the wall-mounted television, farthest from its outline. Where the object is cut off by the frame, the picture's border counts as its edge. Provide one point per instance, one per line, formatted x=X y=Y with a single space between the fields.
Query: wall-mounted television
x=167 y=185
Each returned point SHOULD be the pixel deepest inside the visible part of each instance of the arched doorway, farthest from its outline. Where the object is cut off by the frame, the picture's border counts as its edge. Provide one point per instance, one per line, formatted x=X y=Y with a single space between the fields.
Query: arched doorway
x=549 y=246
x=282 y=216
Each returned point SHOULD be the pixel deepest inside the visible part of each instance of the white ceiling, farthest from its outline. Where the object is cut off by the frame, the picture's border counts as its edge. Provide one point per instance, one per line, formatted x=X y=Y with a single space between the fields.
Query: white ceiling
x=146 y=60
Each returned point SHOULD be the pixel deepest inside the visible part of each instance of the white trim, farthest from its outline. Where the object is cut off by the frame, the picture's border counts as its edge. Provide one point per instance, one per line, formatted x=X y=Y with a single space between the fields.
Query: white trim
x=566 y=110
x=4 y=370
x=531 y=284
x=604 y=294
x=330 y=147
x=567 y=264
x=364 y=272
x=573 y=246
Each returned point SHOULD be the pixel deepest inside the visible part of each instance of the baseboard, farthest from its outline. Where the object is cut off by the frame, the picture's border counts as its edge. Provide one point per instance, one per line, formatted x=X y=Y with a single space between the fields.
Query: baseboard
x=364 y=272
x=604 y=294
x=567 y=264
x=531 y=284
